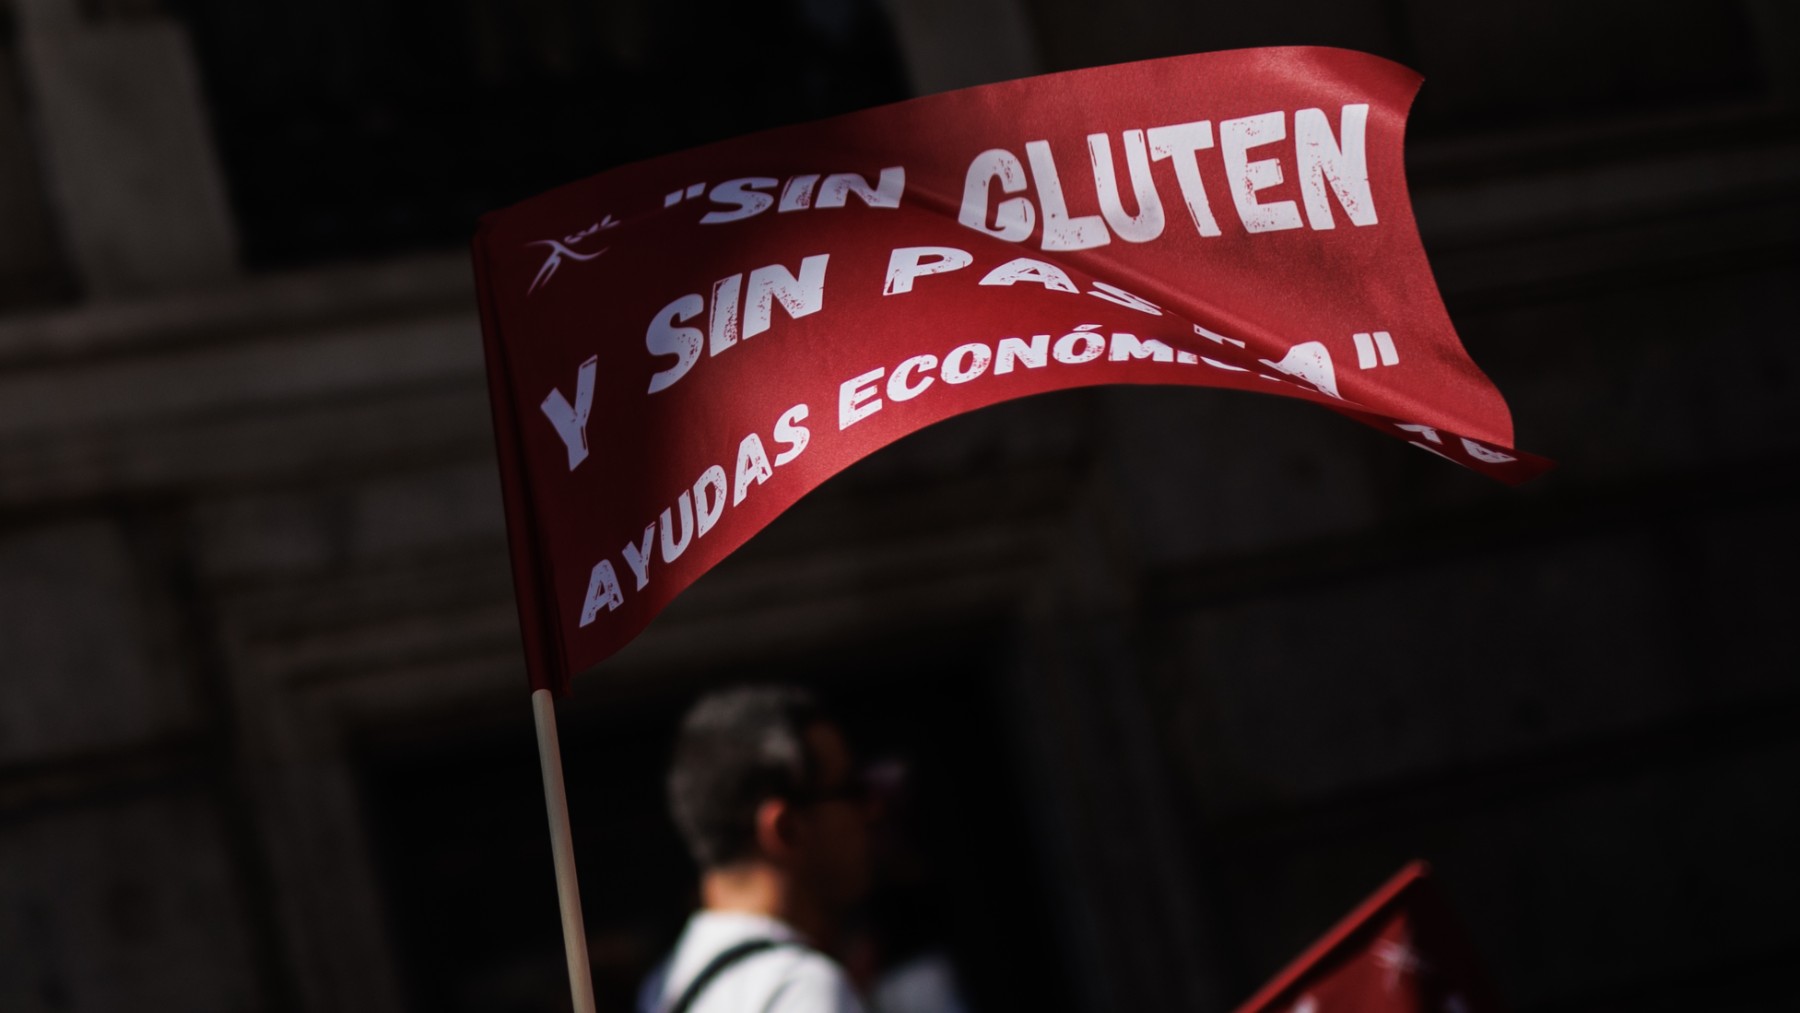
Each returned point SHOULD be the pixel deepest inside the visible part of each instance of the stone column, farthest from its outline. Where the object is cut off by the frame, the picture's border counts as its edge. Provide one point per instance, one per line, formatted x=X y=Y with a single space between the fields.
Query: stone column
x=950 y=44
x=125 y=151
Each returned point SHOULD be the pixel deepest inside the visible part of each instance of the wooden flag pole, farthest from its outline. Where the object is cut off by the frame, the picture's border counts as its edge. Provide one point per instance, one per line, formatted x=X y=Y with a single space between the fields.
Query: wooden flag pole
x=562 y=846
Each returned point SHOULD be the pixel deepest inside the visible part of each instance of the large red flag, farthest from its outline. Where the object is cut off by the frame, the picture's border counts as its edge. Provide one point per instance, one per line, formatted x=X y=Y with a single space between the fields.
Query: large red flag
x=1400 y=951
x=680 y=349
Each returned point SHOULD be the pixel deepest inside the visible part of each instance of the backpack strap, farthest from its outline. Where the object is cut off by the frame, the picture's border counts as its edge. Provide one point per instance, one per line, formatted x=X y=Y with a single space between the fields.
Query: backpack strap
x=717 y=966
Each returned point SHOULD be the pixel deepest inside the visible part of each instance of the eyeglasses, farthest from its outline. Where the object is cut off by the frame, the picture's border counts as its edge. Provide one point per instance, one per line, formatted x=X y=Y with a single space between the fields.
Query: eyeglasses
x=855 y=791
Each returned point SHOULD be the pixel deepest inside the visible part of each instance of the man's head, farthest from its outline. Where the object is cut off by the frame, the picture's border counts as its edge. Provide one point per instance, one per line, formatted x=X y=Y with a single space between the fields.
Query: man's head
x=762 y=775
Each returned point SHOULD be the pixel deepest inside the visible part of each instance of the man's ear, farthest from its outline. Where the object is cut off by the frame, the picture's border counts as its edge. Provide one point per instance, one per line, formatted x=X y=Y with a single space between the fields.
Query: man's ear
x=775 y=828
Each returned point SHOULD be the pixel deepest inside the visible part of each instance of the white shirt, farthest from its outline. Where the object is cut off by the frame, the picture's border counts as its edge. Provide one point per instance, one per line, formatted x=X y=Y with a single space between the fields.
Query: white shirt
x=786 y=979
x=924 y=984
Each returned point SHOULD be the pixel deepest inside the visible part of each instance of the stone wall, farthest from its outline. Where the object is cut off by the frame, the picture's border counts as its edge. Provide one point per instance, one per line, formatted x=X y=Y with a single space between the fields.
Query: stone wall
x=1248 y=658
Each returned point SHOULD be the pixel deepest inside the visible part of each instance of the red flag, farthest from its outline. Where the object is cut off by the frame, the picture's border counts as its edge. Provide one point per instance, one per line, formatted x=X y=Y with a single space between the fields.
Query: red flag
x=1399 y=952
x=679 y=349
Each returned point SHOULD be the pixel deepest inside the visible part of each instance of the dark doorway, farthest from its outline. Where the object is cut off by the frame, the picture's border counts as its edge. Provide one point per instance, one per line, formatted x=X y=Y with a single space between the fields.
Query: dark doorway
x=382 y=126
x=456 y=814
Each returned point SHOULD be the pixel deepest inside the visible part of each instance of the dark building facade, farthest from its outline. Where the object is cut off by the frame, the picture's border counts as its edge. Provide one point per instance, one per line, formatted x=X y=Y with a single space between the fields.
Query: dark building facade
x=1184 y=674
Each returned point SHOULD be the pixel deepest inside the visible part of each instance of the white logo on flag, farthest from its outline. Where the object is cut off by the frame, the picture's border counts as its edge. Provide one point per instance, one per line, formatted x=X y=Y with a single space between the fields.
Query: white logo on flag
x=564 y=247
x=1399 y=960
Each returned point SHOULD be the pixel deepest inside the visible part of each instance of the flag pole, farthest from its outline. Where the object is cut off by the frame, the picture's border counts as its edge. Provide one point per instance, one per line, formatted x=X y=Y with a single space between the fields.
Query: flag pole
x=562 y=846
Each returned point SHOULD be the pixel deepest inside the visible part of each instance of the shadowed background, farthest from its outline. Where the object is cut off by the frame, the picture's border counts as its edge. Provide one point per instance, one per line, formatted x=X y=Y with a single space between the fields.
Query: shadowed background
x=1180 y=675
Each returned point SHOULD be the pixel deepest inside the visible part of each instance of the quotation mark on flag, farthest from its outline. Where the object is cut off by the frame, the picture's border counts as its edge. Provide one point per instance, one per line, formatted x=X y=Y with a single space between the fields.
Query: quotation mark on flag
x=1368 y=344
x=674 y=197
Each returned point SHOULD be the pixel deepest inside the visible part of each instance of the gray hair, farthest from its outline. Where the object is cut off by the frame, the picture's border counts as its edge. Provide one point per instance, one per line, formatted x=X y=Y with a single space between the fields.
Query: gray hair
x=736 y=749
